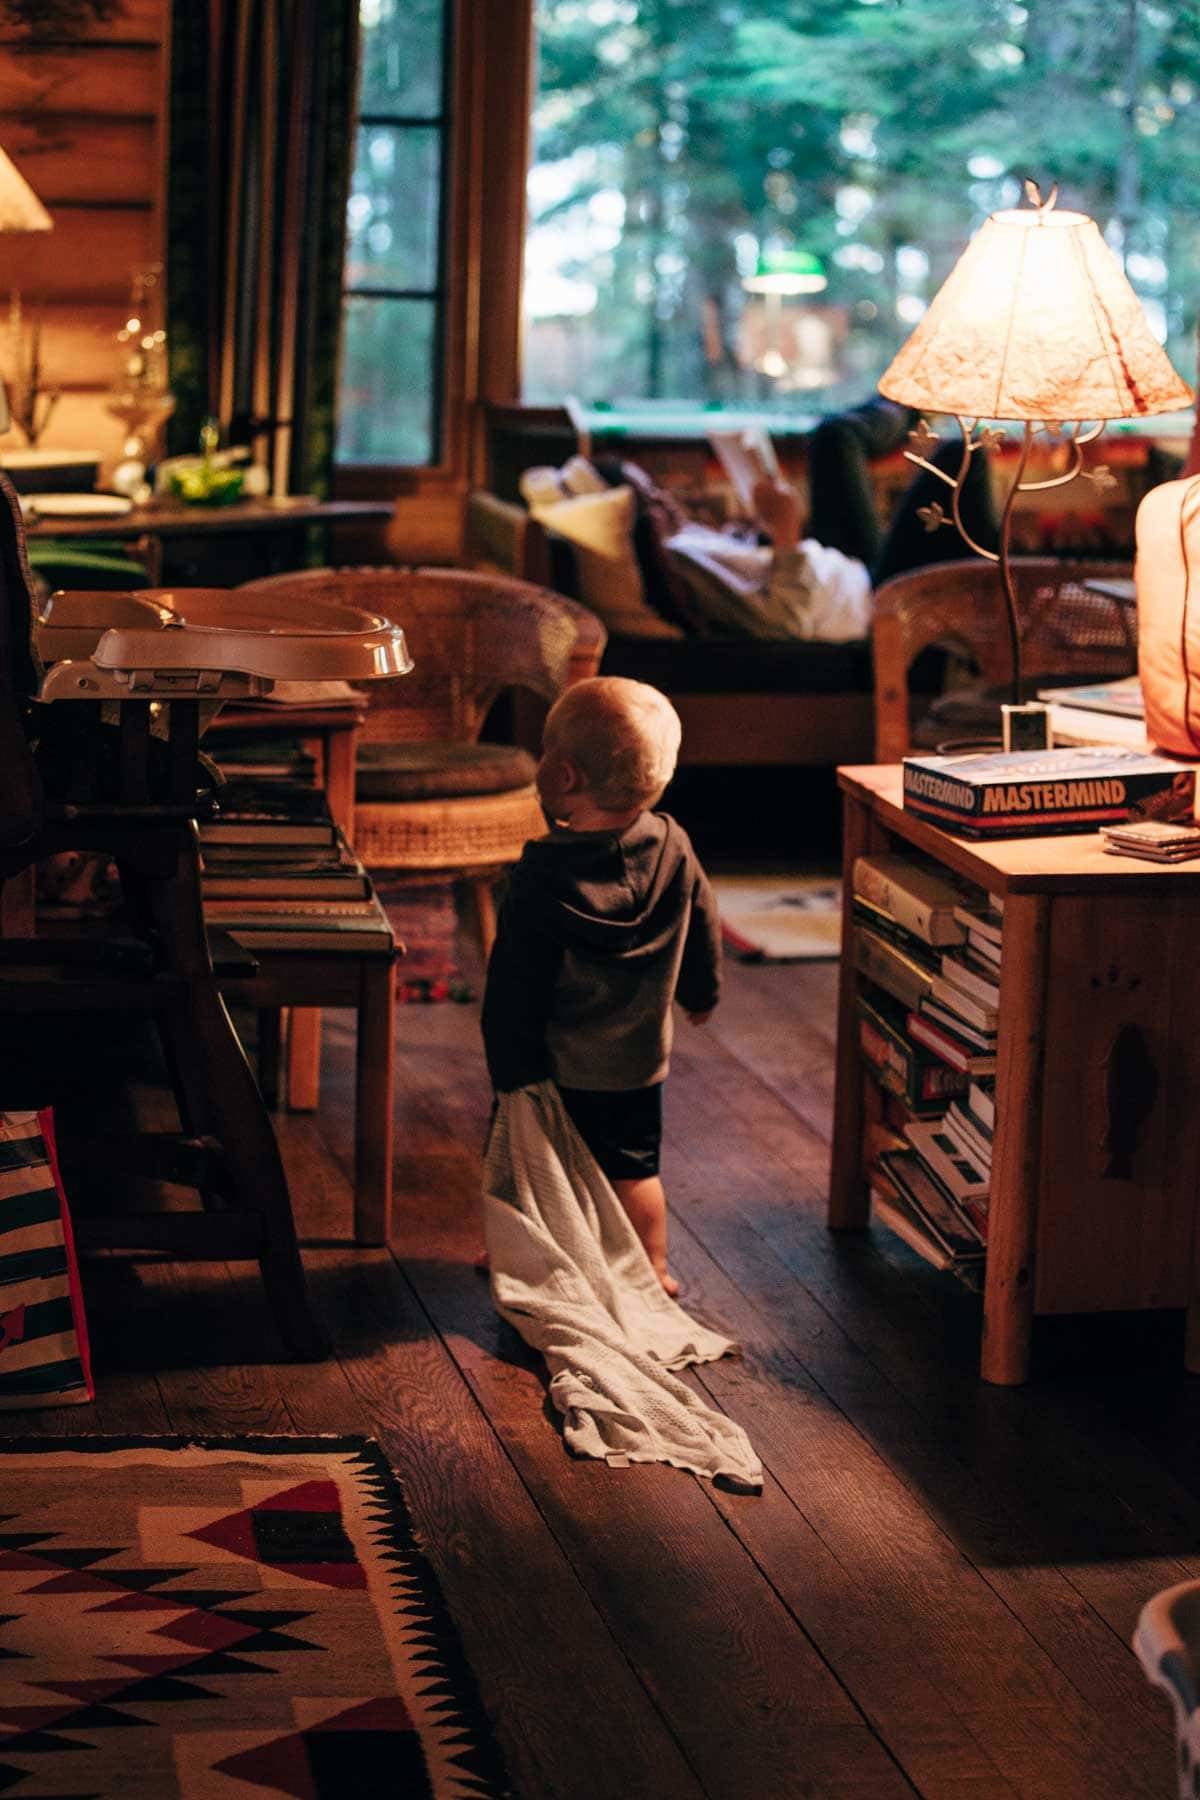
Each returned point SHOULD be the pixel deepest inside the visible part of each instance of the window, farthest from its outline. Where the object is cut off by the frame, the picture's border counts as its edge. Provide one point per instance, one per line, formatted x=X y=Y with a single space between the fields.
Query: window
x=389 y=409
x=734 y=202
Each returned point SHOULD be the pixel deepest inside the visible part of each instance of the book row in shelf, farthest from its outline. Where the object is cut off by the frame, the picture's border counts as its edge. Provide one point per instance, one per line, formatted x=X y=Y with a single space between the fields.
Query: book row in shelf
x=278 y=875
x=927 y=948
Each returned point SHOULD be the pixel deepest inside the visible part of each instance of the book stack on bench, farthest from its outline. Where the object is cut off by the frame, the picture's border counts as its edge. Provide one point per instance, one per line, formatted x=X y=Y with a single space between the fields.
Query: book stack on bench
x=277 y=874
x=928 y=949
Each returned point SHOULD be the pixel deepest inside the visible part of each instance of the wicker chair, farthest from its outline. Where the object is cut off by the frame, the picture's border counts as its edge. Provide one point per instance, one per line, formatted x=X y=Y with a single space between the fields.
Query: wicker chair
x=430 y=798
x=1066 y=630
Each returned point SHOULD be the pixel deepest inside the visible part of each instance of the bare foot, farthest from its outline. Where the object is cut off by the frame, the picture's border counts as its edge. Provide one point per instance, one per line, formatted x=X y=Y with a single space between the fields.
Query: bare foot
x=669 y=1284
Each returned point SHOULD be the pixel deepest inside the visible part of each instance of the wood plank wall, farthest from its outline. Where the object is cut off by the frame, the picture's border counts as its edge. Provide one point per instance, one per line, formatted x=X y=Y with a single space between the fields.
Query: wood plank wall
x=84 y=122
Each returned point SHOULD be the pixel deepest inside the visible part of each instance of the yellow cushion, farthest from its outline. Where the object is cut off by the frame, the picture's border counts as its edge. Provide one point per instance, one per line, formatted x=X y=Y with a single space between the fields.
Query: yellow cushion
x=601 y=528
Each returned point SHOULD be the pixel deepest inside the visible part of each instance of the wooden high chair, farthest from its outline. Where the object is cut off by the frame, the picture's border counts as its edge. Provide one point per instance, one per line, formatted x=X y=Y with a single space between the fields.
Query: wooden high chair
x=98 y=751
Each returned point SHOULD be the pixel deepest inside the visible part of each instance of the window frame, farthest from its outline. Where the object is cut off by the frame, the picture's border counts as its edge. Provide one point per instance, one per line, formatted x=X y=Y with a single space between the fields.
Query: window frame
x=487 y=84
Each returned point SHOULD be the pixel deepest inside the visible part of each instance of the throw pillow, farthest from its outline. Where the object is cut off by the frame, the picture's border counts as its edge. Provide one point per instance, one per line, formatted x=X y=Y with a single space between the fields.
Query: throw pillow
x=600 y=526
x=43 y=1337
x=657 y=517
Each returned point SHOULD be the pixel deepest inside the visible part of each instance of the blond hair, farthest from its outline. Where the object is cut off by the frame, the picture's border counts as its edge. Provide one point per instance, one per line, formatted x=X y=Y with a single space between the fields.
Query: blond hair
x=622 y=735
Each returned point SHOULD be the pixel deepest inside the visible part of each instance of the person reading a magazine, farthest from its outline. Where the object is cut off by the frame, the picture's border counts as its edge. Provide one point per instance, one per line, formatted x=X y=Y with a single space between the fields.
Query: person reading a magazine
x=818 y=582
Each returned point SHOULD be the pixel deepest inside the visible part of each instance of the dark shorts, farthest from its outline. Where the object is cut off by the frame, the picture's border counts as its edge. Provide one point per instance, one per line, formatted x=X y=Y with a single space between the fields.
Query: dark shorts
x=623 y=1130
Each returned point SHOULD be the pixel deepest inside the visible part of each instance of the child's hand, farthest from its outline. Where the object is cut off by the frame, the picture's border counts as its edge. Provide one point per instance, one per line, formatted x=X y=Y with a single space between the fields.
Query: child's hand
x=701 y=1018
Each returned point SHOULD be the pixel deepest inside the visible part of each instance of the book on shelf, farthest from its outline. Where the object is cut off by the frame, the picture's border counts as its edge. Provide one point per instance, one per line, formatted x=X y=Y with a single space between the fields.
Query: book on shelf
x=922 y=901
x=269 y=835
x=284 y=884
x=975 y=1212
x=951 y=1044
x=981 y=1098
x=299 y=935
x=933 y=1208
x=893 y=968
x=986 y=921
x=885 y=926
x=330 y=853
x=255 y=911
x=897 y=1214
x=977 y=979
x=915 y=1074
x=969 y=1133
x=270 y=800
x=963 y=1006
x=1012 y=794
x=985 y=948
x=961 y=1175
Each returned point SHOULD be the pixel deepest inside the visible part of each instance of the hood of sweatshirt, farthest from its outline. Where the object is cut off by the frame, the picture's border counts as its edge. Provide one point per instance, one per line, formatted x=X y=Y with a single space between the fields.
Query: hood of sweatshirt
x=606 y=893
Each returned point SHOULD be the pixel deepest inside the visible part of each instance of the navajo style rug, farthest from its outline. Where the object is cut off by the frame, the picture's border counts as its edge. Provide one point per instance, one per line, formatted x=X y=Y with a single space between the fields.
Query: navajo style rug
x=222 y=1619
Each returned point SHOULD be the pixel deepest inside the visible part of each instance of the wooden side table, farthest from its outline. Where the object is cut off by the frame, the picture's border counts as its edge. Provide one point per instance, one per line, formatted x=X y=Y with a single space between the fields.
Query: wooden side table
x=1096 y=1166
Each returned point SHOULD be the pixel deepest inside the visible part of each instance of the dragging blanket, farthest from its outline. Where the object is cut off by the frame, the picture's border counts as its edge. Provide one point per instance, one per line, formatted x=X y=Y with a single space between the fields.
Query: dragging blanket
x=569 y=1273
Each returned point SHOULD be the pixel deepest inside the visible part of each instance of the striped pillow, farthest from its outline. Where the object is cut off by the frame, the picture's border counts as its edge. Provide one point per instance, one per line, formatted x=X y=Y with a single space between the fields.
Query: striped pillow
x=44 y=1357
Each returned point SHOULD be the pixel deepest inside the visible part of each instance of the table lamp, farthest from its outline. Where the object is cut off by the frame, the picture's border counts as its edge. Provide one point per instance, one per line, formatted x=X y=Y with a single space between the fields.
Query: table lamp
x=1035 y=323
x=21 y=210
x=781 y=275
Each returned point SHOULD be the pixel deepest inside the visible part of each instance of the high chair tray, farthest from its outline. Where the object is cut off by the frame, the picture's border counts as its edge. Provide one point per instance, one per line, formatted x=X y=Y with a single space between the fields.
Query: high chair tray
x=274 y=638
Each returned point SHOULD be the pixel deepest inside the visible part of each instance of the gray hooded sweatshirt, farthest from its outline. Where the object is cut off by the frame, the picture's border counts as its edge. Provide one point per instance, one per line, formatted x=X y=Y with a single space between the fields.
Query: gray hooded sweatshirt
x=598 y=933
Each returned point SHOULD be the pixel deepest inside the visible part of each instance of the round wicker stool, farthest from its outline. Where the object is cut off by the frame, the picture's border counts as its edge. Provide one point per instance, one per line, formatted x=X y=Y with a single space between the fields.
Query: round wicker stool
x=429 y=797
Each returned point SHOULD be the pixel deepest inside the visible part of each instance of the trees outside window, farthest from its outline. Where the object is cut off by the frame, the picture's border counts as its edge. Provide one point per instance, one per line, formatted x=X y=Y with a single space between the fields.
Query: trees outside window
x=685 y=148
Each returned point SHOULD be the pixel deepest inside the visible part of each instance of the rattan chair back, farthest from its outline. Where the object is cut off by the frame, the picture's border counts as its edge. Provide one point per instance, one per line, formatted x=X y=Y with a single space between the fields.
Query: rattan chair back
x=1067 y=628
x=472 y=637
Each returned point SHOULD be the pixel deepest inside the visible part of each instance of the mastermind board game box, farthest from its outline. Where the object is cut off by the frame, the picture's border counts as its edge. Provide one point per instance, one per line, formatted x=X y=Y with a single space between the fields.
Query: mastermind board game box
x=995 y=794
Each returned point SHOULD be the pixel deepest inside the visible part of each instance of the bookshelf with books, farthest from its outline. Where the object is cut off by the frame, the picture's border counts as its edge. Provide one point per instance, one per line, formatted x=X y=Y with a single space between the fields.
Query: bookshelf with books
x=926 y=1030
x=1058 y=990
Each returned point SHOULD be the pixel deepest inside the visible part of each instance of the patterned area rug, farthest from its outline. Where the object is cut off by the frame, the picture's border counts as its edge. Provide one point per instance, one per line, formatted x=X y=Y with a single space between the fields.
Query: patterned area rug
x=219 y=1619
x=780 y=918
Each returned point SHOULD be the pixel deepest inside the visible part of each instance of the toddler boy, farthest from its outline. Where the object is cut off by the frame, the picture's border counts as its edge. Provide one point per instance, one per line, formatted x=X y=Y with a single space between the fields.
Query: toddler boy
x=606 y=921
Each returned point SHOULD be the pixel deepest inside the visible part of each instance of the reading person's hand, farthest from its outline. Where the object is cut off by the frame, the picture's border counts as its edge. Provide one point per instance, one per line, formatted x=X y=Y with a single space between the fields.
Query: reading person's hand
x=777 y=505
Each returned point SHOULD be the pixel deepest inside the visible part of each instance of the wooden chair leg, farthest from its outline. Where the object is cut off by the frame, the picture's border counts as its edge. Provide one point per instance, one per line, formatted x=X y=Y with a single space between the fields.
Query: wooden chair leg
x=375 y=1057
x=221 y=1091
x=485 y=913
x=303 y=1059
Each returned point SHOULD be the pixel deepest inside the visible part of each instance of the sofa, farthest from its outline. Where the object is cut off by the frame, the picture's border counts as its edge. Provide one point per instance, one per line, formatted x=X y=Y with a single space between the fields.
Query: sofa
x=742 y=701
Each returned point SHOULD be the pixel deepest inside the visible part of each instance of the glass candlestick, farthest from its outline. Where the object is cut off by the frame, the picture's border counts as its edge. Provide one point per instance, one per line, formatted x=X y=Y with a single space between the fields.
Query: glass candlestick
x=140 y=397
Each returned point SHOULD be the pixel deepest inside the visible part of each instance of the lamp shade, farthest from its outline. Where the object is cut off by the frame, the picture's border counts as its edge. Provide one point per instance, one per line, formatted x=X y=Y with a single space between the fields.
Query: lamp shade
x=787 y=272
x=1036 y=321
x=20 y=208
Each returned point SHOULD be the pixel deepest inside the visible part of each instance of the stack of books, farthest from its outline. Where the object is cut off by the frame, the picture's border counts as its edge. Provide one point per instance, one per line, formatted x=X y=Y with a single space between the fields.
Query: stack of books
x=277 y=874
x=929 y=949
x=1099 y=712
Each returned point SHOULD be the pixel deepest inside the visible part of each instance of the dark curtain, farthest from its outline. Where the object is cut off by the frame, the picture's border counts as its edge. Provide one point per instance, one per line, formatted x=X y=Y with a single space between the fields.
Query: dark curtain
x=261 y=152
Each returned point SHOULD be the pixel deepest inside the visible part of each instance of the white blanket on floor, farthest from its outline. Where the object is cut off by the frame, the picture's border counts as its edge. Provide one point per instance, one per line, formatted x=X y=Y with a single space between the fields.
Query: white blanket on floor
x=569 y=1273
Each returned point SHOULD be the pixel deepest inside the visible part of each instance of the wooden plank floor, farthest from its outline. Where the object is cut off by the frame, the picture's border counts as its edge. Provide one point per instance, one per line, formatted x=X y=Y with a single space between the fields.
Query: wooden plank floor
x=934 y=1594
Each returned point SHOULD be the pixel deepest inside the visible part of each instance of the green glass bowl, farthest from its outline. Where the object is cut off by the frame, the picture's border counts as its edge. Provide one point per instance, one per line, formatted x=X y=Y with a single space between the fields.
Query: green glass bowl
x=208 y=487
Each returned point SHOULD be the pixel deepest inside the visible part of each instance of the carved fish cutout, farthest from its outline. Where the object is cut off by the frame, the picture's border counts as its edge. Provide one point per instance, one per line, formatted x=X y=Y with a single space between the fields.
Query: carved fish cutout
x=1130 y=1090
